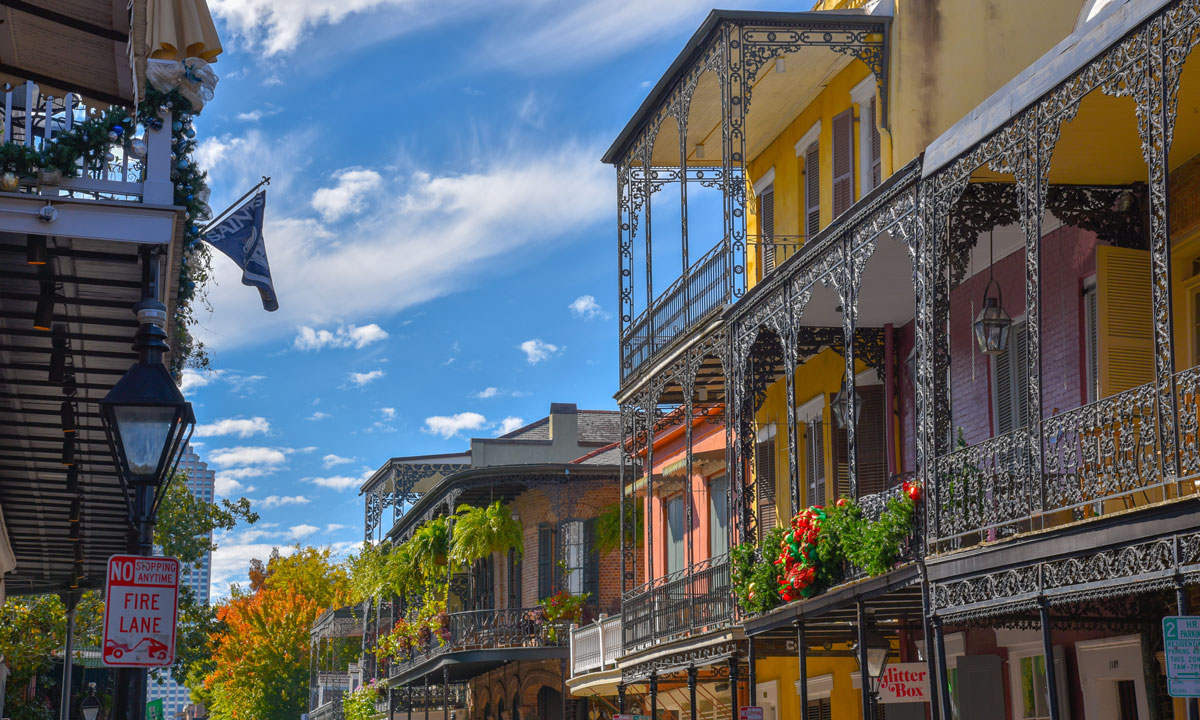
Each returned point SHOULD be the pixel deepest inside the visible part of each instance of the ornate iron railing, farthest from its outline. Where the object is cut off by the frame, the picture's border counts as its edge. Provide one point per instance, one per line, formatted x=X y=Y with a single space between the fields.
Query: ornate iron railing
x=331 y=710
x=487 y=629
x=703 y=288
x=595 y=646
x=1187 y=399
x=769 y=251
x=413 y=700
x=1094 y=459
x=687 y=600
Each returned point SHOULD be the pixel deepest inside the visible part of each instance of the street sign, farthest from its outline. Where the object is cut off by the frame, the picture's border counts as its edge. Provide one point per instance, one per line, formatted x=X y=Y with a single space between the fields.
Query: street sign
x=154 y=710
x=904 y=683
x=627 y=716
x=141 y=605
x=750 y=712
x=1181 y=645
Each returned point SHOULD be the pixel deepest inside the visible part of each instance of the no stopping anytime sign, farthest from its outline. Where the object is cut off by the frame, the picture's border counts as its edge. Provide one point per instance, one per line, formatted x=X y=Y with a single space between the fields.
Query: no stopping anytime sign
x=141 y=603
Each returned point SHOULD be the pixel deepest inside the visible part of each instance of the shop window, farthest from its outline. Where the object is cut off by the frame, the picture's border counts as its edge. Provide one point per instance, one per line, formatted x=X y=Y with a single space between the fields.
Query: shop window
x=1010 y=392
x=718 y=508
x=1027 y=682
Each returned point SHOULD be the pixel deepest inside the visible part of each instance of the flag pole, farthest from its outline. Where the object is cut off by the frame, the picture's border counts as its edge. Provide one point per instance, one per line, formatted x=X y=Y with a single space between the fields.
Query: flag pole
x=220 y=216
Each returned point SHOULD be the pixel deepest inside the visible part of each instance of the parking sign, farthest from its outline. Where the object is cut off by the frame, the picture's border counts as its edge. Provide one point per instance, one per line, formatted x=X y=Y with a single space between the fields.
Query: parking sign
x=1181 y=645
x=141 y=604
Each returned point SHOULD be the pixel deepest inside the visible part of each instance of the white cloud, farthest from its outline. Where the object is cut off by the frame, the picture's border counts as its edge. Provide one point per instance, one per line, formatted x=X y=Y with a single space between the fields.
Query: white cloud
x=488 y=392
x=510 y=424
x=225 y=486
x=196 y=379
x=345 y=336
x=537 y=350
x=257 y=114
x=330 y=460
x=318 y=415
x=231 y=561
x=349 y=196
x=586 y=307
x=360 y=379
x=274 y=501
x=229 y=457
x=388 y=413
x=532 y=110
x=242 y=427
x=337 y=482
x=296 y=532
x=395 y=258
x=448 y=426
x=333 y=527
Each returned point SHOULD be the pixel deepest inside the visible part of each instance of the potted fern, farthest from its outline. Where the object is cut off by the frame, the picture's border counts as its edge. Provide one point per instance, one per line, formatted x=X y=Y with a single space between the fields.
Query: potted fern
x=481 y=531
x=608 y=526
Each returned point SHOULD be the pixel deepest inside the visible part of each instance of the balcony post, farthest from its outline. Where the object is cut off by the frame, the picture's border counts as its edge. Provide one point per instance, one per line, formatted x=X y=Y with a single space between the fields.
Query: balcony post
x=651 y=410
x=653 y=695
x=562 y=681
x=849 y=297
x=789 y=367
x=935 y=674
x=621 y=698
x=943 y=678
x=689 y=499
x=751 y=671
x=647 y=193
x=802 y=652
x=734 y=679
x=691 y=682
x=1048 y=650
x=157 y=188
x=446 y=692
x=864 y=670
x=427 y=698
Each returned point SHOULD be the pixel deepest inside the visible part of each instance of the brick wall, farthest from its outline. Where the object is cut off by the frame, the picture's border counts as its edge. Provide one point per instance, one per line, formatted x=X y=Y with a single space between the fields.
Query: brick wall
x=1068 y=258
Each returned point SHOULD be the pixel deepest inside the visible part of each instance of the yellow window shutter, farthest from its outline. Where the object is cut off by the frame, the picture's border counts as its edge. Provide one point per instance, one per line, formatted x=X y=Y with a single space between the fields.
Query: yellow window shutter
x=1124 y=319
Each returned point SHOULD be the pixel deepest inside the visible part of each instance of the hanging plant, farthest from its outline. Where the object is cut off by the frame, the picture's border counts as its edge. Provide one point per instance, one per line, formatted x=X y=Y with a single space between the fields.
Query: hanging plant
x=481 y=531
x=429 y=545
x=608 y=526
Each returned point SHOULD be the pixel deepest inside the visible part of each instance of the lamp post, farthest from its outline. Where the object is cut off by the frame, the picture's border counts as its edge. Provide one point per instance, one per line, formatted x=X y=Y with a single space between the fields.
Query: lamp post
x=90 y=705
x=147 y=421
x=878 y=649
x=841 y=405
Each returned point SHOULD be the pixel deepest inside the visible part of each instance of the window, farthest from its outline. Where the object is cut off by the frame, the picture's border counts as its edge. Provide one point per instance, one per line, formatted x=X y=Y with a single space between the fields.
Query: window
x=766 y=224
x=764 y=479
x=1091 y=347
x=1034 y=695
x=514 y=579
x=1027 y=681
x=869 y=174
x=814 y=460
x=820 y=709
x=545 y=562
x=843 y=162
x=675 y=532
x=1010 y=391
x=812 y=190
x=718 y=508
x=876 y=151
x=573 y=555
x=871 y=439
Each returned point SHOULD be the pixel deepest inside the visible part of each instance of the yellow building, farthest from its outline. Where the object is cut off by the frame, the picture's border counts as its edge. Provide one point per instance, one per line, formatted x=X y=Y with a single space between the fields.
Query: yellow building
x=952 y=244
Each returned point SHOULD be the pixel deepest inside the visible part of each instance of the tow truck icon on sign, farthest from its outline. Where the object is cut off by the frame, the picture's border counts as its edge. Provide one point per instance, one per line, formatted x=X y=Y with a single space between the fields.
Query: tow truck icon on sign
x=148 y=647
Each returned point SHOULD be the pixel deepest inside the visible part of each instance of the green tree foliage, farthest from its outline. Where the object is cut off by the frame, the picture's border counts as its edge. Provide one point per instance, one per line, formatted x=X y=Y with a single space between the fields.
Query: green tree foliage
x=608 y=526
x=186 y=523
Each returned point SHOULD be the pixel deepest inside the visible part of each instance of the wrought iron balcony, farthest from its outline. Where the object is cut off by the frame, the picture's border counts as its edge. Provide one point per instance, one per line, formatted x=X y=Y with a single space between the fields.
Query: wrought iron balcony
x=33 y=119
x=1079 y=464
x=487 y=630
x=414 y=700
x=688 y=600
x=705 y=287
x=596 y=646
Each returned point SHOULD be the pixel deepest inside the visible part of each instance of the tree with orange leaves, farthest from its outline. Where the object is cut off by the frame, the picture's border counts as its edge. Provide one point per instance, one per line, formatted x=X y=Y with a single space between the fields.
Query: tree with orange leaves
x=261 y=653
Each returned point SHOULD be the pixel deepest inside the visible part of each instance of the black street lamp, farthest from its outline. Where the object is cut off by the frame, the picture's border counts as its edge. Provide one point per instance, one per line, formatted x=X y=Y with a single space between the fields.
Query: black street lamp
x=147 y=421
x=90 y=705
x=841 y=405
x=878 y=651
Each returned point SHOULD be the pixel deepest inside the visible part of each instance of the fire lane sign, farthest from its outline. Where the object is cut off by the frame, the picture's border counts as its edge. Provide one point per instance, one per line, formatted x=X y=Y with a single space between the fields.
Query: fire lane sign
x=141 y=606
x=1181 y=645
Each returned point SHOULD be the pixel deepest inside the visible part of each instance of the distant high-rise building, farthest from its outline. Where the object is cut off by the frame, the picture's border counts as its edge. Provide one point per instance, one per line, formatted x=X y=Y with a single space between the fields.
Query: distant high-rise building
x=197 y=576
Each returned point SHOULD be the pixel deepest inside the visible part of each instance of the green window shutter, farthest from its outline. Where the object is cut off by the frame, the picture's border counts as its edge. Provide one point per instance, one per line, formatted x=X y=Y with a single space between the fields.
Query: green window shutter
x=591 y=563
x=843 y=162
x=871 y=440
x=766 y=223
x=764 y=482
x=545 y=562
x=812 y=190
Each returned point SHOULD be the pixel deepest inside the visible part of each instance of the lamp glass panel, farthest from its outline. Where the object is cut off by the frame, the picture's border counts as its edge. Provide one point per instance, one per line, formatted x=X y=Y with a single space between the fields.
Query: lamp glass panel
x=144 y=431
x=877 y=658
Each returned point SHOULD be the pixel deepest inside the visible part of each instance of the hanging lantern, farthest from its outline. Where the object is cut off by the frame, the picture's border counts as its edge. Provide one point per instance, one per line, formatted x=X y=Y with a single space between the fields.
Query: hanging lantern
x=993 y=323
x=841 y=405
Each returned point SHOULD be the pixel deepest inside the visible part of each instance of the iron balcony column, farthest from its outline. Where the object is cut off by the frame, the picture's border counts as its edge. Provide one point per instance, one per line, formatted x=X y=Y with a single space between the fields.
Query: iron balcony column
x=864 y=670
x=691 y=681
x=446 y=692
x=621 y=698
x=734 y=678
x=653 y=695
x=1048 y=650
x=943 y=678
x=802 y=652
x=751 y=671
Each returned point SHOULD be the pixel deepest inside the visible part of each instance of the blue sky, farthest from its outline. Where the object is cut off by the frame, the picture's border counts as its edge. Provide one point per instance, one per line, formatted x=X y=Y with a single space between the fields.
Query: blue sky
x=440 y=229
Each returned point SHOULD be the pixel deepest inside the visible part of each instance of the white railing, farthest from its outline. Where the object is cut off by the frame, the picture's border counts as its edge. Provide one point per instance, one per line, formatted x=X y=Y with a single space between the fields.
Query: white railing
x=596 y=646
x=142 y=174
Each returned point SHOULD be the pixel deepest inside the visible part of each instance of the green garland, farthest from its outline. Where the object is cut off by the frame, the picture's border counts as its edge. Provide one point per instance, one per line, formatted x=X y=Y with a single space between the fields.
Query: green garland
x=756 y=575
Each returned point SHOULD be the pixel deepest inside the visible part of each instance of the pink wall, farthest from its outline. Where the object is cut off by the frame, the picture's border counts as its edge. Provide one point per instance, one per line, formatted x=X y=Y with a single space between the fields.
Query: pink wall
x=1068 y=258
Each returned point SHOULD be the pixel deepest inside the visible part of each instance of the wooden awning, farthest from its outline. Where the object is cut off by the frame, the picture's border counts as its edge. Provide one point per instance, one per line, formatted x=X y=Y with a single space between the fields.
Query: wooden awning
x=81 y=46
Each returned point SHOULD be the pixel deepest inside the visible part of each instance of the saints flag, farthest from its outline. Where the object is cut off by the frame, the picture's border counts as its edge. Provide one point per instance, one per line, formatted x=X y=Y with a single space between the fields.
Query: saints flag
x=240 y=237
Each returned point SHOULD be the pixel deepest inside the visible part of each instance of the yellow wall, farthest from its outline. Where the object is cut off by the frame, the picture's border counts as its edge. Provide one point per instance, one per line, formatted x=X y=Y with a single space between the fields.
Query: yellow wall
x=845 y=701
x=821 y=374
x=950 y=55
x=789 y=181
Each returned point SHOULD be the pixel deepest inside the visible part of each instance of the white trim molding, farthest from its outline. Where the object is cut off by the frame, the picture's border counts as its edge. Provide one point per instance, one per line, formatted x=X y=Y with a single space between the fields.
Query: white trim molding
x=820 y=687
x=808 y=138
x=767 y=179
x=862 y=94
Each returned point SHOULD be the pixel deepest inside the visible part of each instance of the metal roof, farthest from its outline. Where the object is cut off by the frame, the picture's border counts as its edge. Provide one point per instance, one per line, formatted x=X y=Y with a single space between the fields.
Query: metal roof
x=97 y=282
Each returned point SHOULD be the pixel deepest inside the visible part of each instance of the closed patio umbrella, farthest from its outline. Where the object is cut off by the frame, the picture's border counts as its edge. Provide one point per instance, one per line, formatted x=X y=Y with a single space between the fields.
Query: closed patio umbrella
x=179 y=29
